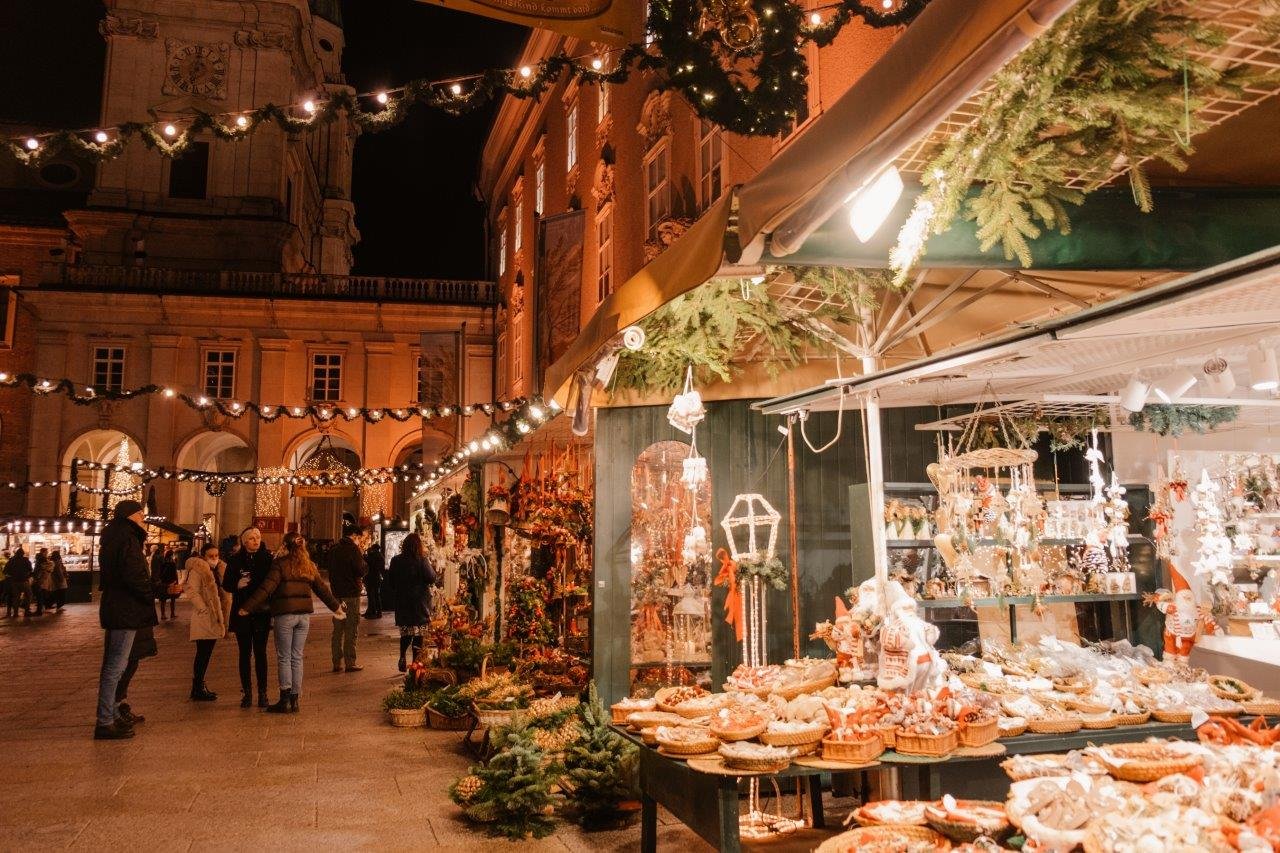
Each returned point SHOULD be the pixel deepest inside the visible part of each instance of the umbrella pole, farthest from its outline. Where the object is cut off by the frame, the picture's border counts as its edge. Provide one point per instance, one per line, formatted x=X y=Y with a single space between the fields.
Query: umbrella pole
x=875 y=485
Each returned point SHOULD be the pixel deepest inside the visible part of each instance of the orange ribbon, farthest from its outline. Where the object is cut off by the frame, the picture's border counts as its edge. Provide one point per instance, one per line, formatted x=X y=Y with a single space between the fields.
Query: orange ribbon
x=728 y=576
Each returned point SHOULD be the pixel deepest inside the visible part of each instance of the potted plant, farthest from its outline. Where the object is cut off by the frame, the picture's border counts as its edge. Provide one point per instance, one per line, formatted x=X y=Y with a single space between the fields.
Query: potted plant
x=406 y=708
x=448 y=711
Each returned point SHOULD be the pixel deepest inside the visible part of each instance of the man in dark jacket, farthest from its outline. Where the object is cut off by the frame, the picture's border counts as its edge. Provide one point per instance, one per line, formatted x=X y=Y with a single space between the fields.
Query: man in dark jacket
x=17 y=574
x=128 y=604
x=346 y=568
x=373 y=581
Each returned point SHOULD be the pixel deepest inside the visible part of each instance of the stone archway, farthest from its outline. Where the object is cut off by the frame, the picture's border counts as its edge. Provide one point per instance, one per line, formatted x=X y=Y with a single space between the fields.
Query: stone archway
x=97 y=445
x=194 y=504
x=320 y=518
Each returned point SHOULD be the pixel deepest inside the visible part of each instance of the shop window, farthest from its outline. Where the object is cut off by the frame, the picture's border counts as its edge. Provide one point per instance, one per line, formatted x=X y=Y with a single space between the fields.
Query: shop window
x=220 y=374
x=671 y=570
x=189 y=174
x=657 y=189
x=604 y=253
x=326 y=376
x=571 y=136
x=710 y=163
x=517 y=350
x=108 y=368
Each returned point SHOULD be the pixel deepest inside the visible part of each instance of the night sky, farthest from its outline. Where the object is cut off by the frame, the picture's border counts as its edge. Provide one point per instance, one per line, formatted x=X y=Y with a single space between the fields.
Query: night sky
x=412 y=184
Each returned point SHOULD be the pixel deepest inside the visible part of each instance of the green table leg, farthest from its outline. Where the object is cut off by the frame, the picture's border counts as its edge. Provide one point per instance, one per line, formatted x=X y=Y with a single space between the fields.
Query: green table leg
x=727 y=800
x=815 y=801
x=648 y=824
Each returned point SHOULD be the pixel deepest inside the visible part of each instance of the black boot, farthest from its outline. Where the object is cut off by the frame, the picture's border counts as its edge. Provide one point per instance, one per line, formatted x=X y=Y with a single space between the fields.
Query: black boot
x=293 y=702
x=404 y=648
x=262 y=698
x=246 y=701
x=200 y=693
x=283 y=705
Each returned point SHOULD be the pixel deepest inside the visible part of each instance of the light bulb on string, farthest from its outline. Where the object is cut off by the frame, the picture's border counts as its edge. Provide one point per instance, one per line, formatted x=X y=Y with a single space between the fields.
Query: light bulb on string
x=32 y=143
x=242 y=122
x=309 y=106
x=815 y=19
x=597 y=63
x=100 y=136
x=526 y=72
x=456 y=88
x=382 y=97
x=170 y=130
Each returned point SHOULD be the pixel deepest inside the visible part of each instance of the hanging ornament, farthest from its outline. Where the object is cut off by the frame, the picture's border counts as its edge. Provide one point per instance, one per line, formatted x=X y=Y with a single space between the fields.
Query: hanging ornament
x=686 y=410
x=1214 y=559
x=734 y=21
x=215 y=488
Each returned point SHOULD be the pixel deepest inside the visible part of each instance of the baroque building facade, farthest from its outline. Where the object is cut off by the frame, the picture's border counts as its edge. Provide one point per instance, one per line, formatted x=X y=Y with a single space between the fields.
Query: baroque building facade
x=224 y=274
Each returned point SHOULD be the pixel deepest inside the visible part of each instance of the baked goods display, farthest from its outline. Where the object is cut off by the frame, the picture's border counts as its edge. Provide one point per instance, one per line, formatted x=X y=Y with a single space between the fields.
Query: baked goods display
x=686 y=740
x=755 y=757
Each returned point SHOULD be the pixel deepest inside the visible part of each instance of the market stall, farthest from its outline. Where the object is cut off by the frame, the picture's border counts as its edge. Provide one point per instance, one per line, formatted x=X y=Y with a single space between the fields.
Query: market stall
x=75 y=538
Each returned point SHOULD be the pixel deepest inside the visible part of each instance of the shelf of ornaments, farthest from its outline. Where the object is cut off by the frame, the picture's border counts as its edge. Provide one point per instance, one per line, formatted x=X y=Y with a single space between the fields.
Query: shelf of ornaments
x=687 y=664
x=901 y=544
x=1081 y=598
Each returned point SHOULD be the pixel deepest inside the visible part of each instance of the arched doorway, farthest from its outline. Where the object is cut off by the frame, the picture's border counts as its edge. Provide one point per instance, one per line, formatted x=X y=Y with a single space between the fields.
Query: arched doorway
x=195 y=504
x=106 y=446
x=318 y=511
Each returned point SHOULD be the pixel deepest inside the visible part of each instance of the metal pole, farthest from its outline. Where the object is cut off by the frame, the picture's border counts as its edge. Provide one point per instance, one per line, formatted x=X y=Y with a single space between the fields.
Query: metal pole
x=73 y=502
x=875 y=485
x=792 y=548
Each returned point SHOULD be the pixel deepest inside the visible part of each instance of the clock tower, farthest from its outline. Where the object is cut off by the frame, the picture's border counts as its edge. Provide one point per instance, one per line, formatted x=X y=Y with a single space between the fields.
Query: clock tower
x=270 y=202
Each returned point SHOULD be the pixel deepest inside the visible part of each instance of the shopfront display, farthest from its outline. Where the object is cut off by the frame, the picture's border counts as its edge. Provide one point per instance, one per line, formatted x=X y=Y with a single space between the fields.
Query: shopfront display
x=75 y=539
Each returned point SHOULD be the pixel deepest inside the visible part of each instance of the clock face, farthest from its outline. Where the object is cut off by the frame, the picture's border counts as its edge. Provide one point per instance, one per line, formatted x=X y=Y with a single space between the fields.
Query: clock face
x=198 y=69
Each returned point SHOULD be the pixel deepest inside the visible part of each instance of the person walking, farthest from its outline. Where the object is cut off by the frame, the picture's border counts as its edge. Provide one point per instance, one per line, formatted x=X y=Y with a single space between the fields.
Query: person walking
x=208 y=624
x=40 y=580
x=19 y=572
x=59 y=580
x=245 y=572
x=166 y=583
x=127 y=604
x=410 y=579
x=288 y=588
x=346 y=569
x=375 y=566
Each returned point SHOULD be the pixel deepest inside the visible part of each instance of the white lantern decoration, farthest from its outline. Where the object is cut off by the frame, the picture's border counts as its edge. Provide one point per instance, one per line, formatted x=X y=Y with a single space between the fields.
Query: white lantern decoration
x=751 y=528
x=686 y=410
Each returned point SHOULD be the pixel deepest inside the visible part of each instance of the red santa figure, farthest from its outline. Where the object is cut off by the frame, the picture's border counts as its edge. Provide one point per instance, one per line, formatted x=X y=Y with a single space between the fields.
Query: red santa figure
x=1184 y=619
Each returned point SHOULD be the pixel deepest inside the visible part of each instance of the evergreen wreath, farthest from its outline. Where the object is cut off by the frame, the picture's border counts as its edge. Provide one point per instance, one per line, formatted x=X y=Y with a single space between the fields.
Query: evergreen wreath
x=769 y=569
x=1176 y=419
x=1113 y=80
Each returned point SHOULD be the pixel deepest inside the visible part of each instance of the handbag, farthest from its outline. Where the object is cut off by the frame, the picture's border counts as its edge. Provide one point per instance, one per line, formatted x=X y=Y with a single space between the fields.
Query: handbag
x=174 y=589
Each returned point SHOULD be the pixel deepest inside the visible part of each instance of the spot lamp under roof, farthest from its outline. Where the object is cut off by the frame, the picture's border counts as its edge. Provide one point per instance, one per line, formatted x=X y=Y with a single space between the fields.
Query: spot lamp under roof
x=870 y=206
x=1263 y=374
x=1134 y=395
x=1172 y=386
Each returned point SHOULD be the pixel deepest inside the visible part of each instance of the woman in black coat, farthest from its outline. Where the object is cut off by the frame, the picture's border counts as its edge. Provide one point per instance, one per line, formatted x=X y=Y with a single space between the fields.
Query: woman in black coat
x=246 y=569
x=410 y=578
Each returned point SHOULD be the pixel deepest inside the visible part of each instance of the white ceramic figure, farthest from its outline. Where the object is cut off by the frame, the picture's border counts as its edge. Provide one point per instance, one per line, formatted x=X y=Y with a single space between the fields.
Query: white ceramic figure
x=908 y=660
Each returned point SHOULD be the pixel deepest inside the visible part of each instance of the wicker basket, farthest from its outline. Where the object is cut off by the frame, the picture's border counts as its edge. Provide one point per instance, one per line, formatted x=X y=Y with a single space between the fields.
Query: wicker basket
x=649 y=736
x=855 y=751
x=666 y=693
x=865 y=818
x=1153 y=675
x=1218 y=684
x=492 y=718
x=447 y=724
x=1263 y=706
x=1229 y=712
x=1078 y=686
x=652 y=719
x=992 y=457
x=1085 y=707
x=967 y=832
x=1135 y=719
x=792 y=691
x=744 y=733
x=1140 y=762
x=1172 y=715
x=800 y=738
x=981 y=733
x=1055 y=725
x=1011 y=732
x=689 y=747
x=757 y=765
x=408 y=718
x=1099 y=721
x=619 y=713
x=438 y=675
x=883 y=837
x=913 y=743
x=889 y=735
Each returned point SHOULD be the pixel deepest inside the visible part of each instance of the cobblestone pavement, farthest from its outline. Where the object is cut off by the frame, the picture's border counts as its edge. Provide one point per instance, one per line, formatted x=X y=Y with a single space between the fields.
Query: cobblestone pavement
x=211 y=776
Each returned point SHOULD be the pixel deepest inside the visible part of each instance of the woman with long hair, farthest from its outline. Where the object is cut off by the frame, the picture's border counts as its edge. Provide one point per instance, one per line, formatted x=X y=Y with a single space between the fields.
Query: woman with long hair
x=246 y=569
x=287 y=588
x=410 y=578
x=59 y=580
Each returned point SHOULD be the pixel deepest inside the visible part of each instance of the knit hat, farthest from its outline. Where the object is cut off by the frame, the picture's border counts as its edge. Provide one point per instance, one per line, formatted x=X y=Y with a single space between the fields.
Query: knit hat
x=124 y=509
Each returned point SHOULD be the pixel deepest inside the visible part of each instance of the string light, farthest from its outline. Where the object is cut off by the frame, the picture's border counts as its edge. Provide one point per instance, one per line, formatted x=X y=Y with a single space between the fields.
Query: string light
x=32 y=143
x=242 y=122
x=309 y=106
x=101 y=136
x=597 y=63
x=456 y=88
x=526 y=72
x=815 y=18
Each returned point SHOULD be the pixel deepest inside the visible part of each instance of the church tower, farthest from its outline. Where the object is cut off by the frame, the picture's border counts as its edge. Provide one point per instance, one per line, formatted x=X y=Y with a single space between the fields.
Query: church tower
x=270 y=202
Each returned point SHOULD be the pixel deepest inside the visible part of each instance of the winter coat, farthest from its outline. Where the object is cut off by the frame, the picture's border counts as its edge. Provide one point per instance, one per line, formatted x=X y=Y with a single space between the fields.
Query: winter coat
x=128 y=602
x=346 y=568
x=220 y=573
x=288 y=593
x=255 y=566
x=163 y=575
x=43 y=578
x=18 y=568
x=58 y=578
x=207 y=620
x=410 y=580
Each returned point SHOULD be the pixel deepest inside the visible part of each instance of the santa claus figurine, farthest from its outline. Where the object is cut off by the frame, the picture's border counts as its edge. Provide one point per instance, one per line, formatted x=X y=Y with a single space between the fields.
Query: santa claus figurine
x=908 y=660
x=1184 y=619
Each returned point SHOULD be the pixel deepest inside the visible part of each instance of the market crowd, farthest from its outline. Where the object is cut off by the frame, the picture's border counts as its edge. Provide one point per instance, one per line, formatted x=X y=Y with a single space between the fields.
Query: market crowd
x=24 y=585
x=252 y=593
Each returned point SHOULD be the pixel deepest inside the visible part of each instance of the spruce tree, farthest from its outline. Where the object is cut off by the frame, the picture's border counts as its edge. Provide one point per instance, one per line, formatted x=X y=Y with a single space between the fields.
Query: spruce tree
x=600 y=768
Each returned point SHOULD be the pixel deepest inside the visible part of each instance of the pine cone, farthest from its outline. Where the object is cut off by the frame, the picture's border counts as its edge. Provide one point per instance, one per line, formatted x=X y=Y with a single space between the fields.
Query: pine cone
x=468 y=787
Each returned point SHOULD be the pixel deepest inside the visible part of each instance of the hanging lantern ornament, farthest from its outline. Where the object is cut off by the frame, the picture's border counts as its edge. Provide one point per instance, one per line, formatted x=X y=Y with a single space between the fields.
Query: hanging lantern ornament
x=686 y=410
x=751 y=527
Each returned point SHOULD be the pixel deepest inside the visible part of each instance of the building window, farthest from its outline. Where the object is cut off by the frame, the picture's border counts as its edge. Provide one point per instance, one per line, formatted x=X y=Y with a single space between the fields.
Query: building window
x=539 y=187
x=518 y=227
x=326 y=376
x=220 y=374
x=657 y=189
x=502 y=247
x=710 y=160
x=108 y=368
x=571 y=137
x=602 y=111
x=517 y=349
x=189 y=174
x=502 y=361
x=604 y=254
x=430 y=384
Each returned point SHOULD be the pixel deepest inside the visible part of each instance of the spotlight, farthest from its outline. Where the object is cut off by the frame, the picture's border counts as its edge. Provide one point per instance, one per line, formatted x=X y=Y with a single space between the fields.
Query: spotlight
x=1134 y=395
x=1263 y=374
x=870 y=206
x=1219 y=376
x=1172 y=386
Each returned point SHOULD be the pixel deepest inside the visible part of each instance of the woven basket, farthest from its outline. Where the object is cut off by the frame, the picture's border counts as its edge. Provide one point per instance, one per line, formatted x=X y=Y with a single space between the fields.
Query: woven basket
x=447 y=724
x=1153 y=675
x=619 y=713
x=649 y=736
x=1013 y=732
x=967 y=832
x=757 y=765
x=912 y=743
x=1055 y=725
x=1135 y=768
x=980 y=733
x=864 y=818
x=743 y=733
x=492 y=718
x=800 y=738
x=693 y=712
x=1077 y=686
x=1085 y=707
x=689 y=747
x=1217 y=683
x=884 y=837
x=855 y=751
x=1262 y=705
x=663 y=695
x=439 y=675
x=407 y=718
x=889 y=735
x=1131 y=719
x=652 y=719
x=1165 y=715
x=792 y=691
x=992 y=457
x=1230 y=712
x=1099 y=722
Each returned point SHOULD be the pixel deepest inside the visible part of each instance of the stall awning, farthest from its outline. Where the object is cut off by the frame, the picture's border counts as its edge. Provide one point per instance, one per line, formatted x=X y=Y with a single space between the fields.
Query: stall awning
x=692 y=259
x=169 y=527
x=938 y=62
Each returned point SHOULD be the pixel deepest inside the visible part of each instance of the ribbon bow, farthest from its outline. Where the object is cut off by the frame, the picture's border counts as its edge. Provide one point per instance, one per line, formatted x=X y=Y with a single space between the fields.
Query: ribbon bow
x=728 y=577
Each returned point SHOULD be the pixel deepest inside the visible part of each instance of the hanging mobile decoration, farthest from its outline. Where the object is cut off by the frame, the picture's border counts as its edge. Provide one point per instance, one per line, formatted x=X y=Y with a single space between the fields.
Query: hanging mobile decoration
x=686 y=410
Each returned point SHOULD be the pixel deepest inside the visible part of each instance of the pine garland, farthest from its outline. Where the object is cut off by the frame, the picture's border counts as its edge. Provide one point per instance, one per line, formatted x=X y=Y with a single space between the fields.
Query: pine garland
x=770 y=571
x=1176 y=419
x=1104 y=85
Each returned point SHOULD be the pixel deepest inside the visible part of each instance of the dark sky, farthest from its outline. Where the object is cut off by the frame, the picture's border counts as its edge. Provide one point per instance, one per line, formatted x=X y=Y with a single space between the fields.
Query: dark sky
x=412 y=184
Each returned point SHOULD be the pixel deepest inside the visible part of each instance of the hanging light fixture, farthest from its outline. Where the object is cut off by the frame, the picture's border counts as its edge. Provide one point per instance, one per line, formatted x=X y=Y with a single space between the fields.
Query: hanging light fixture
x=870 y=206
x=1134 y=395
x=1176 y=383
x=1263 y=374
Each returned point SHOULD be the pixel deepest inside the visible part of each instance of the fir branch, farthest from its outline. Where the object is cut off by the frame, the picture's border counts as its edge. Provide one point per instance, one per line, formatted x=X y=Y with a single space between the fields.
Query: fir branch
x=1176 y=419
